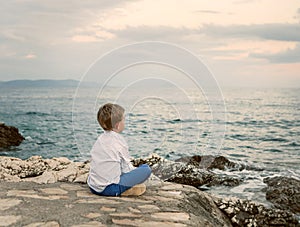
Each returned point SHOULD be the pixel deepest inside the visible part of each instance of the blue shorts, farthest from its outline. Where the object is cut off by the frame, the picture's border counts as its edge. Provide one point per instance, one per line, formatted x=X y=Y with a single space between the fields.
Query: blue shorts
x=127 y=180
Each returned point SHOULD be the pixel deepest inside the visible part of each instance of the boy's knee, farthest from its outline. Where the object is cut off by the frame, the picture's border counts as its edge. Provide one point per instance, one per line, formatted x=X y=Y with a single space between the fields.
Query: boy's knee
x=146 y=169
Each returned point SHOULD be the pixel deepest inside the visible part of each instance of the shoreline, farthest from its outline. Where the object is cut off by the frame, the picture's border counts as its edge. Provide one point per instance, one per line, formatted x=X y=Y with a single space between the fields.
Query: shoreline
x=29 y=175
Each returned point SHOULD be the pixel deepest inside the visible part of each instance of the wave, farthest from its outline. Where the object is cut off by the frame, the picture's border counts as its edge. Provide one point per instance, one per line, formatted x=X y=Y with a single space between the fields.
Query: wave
x=247 y=146
x=277 y=139
x=285 y=124
x=273 y=150
x=45 y=143
x=240 y=137
x=254 y=138
x=176 y=120
x=294 y=144
x=37 y=113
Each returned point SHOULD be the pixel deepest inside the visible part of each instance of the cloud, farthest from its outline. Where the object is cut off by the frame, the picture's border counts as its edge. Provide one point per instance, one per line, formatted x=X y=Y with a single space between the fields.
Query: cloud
x=53 y=37
x=207 y=11
x=283 y=32
x=244 y=1
x=288 y=56
x=151 y=32
x=278 y=32
x=49 y=21
x=98 y=36
x=297 y=16
x=30 y=56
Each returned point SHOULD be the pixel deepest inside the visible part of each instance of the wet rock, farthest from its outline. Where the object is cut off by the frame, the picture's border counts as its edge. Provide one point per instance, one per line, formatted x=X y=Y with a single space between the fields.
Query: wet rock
x=284 y=193
x=9 y=136
x=191 y=170
x=208 y=162
x=248 y=213
x=196 y=177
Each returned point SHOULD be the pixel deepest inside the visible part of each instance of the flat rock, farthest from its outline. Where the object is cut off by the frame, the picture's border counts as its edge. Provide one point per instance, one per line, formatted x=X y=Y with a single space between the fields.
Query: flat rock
x=33 y=204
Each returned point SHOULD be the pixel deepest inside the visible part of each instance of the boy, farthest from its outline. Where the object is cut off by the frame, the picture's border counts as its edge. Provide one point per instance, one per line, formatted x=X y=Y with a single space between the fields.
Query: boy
x=111 y=172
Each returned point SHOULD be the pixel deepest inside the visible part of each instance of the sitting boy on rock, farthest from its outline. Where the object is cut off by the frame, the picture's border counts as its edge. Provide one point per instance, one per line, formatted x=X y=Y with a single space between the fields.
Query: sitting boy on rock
x=111 y=172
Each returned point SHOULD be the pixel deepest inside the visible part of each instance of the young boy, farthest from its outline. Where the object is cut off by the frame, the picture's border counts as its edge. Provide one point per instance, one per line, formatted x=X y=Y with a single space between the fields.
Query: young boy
x=111 y=172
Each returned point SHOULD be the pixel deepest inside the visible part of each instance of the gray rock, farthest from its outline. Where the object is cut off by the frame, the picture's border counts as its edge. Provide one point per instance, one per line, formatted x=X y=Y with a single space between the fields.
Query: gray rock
x=191 y=170
x=208 y=162
x=70 y=204
x=248 y=213
x=9 y=136
x=284 y=193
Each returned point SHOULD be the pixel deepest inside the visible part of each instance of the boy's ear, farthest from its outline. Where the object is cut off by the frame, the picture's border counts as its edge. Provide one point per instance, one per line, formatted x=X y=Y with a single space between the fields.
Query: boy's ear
x=117 y=125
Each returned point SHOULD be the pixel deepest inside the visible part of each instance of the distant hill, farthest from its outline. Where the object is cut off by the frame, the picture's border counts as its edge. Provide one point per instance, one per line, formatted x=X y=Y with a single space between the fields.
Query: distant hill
x=40 y=83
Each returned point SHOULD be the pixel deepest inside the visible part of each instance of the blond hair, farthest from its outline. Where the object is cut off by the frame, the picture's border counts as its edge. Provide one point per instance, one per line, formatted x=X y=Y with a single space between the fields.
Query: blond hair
x=109 y=115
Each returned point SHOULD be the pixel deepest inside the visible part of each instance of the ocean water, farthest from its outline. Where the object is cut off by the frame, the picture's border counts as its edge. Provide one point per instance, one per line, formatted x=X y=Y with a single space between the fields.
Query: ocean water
x=262 y=126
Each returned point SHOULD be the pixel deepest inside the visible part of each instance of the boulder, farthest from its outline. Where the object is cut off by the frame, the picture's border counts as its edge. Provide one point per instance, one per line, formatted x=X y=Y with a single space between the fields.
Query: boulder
x=211 y=162
x=208 y=162
x=9 y=136
x=284 y=193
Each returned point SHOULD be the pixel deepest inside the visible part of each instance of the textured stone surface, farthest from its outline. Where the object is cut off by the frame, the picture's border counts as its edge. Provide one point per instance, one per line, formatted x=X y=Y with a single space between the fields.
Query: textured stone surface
x=8 y=203
x=247 y=213
x=7 y=220
x=192 y=170
x=208 y=162
x=171 y=216
x=44 y=224
x=42 y=171
x=284 y=193
x=63 y=204
x=183 y=173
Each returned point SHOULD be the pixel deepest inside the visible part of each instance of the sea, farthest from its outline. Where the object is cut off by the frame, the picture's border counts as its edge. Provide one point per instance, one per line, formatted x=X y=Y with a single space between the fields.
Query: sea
x=256 y=127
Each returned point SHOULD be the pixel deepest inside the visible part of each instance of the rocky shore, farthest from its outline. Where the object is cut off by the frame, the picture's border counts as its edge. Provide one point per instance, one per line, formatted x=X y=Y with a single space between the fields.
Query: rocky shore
x=53 y=192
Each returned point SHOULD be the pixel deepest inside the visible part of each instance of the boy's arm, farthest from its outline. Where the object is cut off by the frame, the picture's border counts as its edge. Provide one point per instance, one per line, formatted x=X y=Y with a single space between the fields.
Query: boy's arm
x=126 y=165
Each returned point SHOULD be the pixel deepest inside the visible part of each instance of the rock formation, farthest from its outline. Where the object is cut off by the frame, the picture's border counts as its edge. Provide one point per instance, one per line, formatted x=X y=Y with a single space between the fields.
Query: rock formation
x=284 y=193
x=9 y=136
x=247 y=213
x=211 y=210
x=41 y=170
x=193 y=170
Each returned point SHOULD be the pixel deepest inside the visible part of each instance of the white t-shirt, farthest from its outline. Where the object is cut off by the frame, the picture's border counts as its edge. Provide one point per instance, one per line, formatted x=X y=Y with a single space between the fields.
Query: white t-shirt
x=109 y=159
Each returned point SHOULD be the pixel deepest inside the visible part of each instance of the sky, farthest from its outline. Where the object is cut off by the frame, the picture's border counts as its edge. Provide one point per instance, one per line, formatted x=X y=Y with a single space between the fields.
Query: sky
x=242 y=42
